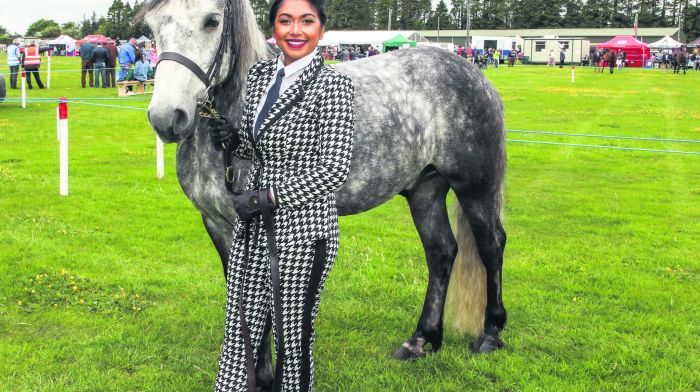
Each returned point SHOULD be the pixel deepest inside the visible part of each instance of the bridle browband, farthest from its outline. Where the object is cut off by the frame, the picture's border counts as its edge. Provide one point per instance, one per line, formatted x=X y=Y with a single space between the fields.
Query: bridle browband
x=206 y=103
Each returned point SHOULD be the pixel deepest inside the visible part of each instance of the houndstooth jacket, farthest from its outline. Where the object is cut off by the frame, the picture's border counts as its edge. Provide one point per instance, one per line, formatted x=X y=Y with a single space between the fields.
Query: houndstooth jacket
x=304 y=148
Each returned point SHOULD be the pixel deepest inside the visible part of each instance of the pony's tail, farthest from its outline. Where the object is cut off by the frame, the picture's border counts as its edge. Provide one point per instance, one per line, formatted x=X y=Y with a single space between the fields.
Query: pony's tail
x=465 y=307
x=466 y=295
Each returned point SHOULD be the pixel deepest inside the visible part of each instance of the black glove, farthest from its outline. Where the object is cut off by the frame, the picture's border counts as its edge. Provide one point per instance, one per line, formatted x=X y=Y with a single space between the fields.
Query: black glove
x=222 y=131
x=248 y=205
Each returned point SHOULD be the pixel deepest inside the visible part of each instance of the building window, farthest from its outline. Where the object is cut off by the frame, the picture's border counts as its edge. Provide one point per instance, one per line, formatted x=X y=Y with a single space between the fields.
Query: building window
x=565 y=43
x=540 y=46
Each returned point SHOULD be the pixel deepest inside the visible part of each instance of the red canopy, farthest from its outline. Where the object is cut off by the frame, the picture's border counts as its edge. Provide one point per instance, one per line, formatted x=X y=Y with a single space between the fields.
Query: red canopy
x=93 y=39
x=637 y=51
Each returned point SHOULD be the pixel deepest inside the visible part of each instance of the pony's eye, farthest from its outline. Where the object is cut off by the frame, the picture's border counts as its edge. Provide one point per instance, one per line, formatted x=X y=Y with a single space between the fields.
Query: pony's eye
x=212 y=22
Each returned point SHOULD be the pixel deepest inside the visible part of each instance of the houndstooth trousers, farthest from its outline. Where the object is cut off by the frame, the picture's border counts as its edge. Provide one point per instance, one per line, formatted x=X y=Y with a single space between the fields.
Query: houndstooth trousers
x=303 y=272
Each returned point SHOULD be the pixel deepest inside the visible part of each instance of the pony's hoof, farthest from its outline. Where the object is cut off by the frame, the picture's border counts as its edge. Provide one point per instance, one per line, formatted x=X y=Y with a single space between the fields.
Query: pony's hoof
x=487 y=343
x=406 y=353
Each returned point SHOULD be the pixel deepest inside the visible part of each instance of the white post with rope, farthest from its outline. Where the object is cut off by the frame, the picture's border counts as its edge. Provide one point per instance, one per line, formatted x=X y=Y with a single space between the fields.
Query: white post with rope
x=24 y=89
x=573 y=74
x=63 y=144
x=160 y=161
x=48 y=78
x=58 y=124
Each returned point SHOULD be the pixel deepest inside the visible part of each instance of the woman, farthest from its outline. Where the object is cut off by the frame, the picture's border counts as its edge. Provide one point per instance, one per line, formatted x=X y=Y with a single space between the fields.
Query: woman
x=141 y=68
x=297 y=128
x=154 y=56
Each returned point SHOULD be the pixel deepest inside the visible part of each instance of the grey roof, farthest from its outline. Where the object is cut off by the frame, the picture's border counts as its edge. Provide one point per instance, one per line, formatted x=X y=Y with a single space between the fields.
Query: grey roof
x=605 y=32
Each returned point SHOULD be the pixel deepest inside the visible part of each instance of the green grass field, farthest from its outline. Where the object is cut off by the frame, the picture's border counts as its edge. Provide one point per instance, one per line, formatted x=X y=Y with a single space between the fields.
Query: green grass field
x=117 y=287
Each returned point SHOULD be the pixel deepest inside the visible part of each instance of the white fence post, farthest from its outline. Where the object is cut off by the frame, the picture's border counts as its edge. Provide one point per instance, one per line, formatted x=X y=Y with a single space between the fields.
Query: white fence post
x=160 y=161
x=63 y=144
x=24 y=89
x=573 y=73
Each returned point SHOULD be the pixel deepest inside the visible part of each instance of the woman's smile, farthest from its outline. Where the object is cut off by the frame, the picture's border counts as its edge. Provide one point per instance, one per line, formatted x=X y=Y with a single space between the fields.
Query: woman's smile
x=297 y=29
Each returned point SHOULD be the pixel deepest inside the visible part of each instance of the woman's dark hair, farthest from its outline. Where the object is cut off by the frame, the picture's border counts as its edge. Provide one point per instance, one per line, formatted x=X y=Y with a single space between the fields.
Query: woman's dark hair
x=139 y=56
x=317 y=4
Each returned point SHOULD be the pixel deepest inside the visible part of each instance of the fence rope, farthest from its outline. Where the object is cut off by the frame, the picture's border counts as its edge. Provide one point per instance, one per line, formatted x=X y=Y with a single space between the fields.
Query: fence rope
x=107 y=106
x=605 y=147
x=14 y=99
x=603 y=136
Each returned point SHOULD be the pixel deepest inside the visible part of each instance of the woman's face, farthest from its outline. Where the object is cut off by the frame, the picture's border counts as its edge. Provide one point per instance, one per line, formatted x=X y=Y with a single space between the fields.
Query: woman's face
x=297 y=29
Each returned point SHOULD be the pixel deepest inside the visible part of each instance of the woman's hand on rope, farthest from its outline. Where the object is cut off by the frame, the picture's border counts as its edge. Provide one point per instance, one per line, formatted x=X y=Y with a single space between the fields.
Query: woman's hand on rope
x=248 y=204
x=222 y=132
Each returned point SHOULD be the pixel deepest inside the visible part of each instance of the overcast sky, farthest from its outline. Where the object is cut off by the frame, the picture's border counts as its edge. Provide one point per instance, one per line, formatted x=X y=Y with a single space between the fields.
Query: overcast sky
x=17 y=15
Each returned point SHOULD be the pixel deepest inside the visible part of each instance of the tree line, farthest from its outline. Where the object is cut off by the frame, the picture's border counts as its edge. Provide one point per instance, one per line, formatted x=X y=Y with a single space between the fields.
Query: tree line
x=120 y=19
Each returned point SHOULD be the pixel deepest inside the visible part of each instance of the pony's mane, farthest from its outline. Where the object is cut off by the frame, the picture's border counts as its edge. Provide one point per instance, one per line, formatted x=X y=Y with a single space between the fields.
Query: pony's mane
x=247 y=44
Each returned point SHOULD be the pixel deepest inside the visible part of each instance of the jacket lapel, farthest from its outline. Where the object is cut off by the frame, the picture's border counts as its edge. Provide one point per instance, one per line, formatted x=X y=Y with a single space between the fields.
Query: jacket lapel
x=257 y=89
x=294 y=94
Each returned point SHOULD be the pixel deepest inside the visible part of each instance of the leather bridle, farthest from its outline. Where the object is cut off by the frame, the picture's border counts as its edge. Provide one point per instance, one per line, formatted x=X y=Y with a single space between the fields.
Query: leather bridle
x=206 y=102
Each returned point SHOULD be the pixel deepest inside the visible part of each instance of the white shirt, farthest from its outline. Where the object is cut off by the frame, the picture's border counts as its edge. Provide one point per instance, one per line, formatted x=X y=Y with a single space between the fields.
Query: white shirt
x=292 y=72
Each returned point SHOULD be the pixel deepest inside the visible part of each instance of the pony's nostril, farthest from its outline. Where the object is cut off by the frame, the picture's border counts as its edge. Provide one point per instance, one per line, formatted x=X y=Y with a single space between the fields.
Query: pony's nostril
x=180 y=119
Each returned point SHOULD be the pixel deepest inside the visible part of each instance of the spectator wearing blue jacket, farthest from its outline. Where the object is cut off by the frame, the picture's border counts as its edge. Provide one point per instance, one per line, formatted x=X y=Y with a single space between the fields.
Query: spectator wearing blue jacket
x=142 y=68
x=13 y=61
x=127 y=58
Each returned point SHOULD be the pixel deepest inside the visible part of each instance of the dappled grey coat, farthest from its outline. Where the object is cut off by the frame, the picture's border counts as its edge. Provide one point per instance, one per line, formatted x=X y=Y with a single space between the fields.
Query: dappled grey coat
x=304 y=148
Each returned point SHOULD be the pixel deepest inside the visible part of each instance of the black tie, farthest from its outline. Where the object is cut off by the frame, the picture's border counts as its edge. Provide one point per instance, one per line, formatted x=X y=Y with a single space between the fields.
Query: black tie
x=272 y=96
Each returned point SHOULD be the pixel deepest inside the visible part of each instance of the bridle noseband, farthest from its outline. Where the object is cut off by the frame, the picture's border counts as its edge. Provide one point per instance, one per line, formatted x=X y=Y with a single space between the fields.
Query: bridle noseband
x=206 y=103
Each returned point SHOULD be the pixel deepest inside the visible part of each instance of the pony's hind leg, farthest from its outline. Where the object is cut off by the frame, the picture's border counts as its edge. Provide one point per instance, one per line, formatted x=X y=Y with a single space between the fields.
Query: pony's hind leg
x=427 y=200
x=482 y=210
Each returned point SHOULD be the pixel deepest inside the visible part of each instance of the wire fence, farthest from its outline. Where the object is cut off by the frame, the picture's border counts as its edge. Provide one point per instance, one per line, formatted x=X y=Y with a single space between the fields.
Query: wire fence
x=94 y=103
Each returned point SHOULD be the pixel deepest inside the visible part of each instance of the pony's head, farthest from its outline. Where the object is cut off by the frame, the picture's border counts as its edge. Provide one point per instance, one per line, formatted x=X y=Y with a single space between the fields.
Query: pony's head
x=194 y=29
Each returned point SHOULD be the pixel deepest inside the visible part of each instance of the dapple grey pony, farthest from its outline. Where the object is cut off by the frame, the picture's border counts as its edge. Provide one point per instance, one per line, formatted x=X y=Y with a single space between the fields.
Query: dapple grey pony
x=427 y=122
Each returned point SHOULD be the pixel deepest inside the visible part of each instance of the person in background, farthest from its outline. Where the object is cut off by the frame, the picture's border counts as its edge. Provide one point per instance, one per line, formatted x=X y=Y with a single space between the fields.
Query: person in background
x=551 y=62
x=496 y=58
x=99 y=59
x=112 y=56
x=562 y=56
x=32 y=62
x=13 y=61
x=141 y=68
x=127 y=58
x=154 y=57
x=87 y=65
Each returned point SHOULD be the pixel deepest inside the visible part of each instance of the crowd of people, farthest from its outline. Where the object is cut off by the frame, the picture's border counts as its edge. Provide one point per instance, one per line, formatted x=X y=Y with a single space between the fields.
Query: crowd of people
x=100 y=62
x=489 y=56
x=349 y=53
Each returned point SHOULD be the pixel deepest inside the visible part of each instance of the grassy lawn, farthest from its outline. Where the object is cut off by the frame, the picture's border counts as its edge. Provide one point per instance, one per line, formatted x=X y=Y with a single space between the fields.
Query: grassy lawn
x=117 y=287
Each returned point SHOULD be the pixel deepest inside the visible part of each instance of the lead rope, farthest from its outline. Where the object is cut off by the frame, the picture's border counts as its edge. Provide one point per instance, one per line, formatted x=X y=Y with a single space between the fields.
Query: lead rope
x=207 y=109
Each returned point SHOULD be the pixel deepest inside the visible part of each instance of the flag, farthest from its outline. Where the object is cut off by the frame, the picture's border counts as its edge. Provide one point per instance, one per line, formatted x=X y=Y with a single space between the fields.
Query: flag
x=635 y=24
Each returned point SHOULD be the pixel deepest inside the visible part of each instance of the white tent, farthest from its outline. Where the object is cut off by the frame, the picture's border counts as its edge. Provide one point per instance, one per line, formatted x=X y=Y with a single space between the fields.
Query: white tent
x=64 y=40
x=367 y=37
x=665 y=43
x=143 y=39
